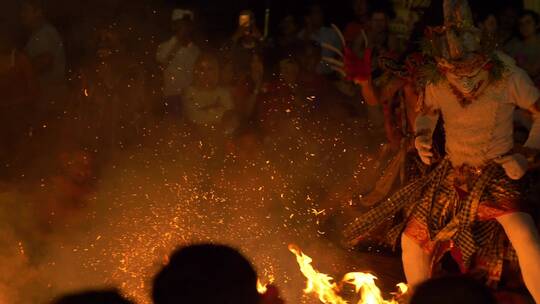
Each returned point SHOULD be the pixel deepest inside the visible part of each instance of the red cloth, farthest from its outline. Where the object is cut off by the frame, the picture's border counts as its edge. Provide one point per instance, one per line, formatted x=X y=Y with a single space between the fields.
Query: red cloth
x=356 y=68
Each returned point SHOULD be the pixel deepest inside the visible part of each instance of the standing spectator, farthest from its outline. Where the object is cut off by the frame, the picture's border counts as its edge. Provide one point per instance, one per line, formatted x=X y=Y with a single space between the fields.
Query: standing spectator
x=288 y=34
x=314 y=30
x=286 y=41
x=112 y=96
x=526 y=48
x=488 y=24
x=378 y=26
x=360 y=22
x=247 y=34
x=18 y=93
x=246 y=90
x=507 y=17
x=377 y=34
x=206 y=103
x=245 y=42
x=45 y=46
x=46 y=52
x=284 y=106
x=177 y=57
x=309 y=56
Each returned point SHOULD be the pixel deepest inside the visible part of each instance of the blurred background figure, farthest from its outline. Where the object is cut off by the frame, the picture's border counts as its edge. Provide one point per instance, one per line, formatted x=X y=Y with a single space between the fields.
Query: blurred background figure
x=207 y=104
x=286 y=41
x=360 y=21
x=246 y=89
x=489 y=25
x=247 y=34
x=525 y=49
x=46 y=52
x=315 y=30
x=288 y=33
x=507 y=17
x=45 y=46
x=245 y=42
x=111 y=94
x=18 y=94
x=375 y=37
x=177 y=58
x=281 y=102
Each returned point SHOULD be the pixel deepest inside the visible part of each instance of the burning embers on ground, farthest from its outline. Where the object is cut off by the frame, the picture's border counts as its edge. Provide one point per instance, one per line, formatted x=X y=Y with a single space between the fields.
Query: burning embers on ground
x=328 y=291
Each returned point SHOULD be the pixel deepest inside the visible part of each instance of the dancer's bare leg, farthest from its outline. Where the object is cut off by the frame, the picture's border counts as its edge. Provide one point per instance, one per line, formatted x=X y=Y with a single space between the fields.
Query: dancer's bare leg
x=523 y=235
x=416 y=262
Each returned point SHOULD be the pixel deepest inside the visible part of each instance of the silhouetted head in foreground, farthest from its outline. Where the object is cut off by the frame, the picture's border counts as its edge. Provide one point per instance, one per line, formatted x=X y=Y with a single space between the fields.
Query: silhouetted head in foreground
x=206 y=274
x=451 y=290
x=93 y=297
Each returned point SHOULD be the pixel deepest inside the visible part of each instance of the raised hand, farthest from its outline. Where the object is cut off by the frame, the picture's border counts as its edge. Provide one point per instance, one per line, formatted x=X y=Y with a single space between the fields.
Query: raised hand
x=424 y=146
x=514 y=165
x=349 y=65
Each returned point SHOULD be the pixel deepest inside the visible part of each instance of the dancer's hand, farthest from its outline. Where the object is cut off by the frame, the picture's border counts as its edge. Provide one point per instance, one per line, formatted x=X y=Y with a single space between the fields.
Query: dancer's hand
x=514 y=165
x=424 y=145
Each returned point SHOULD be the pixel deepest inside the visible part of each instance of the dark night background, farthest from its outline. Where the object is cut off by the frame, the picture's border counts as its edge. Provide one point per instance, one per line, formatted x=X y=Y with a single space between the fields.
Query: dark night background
x=218 y=16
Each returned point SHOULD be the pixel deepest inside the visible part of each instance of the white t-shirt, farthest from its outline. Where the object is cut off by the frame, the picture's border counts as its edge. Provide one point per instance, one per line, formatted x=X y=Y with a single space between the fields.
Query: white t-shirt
x=483 y=130
x=206 y=107
x=47 y=40
x=178 y=73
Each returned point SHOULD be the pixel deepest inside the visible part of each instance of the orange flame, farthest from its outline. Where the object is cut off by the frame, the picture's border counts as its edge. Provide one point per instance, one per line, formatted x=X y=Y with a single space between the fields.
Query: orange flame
x=328 y=291
x=263 y=288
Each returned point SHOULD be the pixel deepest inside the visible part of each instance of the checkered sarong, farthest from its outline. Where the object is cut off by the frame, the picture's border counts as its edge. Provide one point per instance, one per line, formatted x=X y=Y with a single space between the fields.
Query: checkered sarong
x=448 y=215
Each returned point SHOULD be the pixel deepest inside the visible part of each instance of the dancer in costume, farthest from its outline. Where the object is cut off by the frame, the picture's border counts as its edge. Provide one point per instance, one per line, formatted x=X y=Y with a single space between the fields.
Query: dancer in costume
x=470 y=204
x=397 y=90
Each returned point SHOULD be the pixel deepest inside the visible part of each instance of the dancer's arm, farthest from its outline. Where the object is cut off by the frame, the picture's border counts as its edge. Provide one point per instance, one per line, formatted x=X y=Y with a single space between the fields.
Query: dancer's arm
x=425 y=125
x=374 y=95
x=526 y=96
x=533 y=141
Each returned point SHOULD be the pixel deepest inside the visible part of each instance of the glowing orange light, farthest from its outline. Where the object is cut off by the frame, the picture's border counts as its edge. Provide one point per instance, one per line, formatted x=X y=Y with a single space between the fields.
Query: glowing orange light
x=327 y=290
x=261 y=288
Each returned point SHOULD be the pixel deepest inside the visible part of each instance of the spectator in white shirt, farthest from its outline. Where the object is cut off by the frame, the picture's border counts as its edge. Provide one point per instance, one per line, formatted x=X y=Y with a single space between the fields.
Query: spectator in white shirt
x=177 y=57
x=207 y=104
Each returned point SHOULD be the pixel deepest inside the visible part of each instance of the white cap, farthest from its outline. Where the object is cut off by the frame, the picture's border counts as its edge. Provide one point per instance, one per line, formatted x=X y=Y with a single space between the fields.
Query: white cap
x=179 y=14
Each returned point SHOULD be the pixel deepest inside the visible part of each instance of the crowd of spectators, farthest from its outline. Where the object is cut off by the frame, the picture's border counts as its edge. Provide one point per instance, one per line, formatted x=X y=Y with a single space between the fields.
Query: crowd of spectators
x=102 y=81
x=113 y=76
